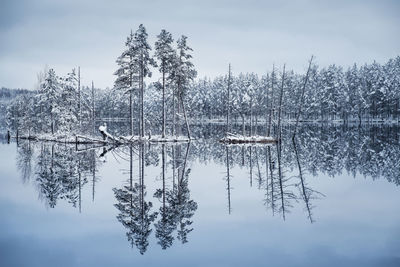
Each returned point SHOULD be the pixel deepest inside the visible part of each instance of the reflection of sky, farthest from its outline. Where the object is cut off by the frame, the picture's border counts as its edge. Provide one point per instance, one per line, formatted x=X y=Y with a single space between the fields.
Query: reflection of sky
x=356 y=224
x=250 y=34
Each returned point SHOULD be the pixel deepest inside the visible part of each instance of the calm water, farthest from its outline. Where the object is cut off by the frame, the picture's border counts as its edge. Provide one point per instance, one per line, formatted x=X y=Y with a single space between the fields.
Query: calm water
x=329 y=199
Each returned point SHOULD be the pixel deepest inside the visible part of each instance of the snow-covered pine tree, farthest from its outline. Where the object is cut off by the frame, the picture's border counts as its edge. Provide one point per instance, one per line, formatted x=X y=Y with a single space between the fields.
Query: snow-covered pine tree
x=127 y=73
x=68 y=104
x=48 y=100
x=183 y=73
x=143 y=62
x=165 y=55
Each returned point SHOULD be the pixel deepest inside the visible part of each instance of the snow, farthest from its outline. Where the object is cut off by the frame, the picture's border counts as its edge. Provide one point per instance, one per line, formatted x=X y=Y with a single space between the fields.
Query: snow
x=237 y=139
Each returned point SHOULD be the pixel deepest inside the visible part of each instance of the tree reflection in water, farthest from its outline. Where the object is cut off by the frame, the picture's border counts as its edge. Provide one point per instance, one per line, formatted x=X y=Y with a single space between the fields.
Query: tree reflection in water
x=282 y=172
x=176 y=210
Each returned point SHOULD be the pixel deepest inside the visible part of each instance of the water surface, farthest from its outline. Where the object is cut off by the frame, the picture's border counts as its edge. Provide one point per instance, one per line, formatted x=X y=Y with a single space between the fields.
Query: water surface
x=330 y=198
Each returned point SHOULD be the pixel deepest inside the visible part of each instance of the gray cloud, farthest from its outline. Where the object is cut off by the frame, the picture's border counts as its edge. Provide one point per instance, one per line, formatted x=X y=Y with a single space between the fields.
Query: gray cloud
x=249 y=34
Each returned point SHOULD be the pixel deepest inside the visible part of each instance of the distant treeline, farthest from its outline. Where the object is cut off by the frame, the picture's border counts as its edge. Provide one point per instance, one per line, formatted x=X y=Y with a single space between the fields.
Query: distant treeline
x=8 y=94
x=357 y=94
x=371 y=91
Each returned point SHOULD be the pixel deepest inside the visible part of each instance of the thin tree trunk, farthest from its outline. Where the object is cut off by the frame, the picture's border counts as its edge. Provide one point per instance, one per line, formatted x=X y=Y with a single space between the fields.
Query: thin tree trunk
x=163 y=103
x=243 y=126
x=306 y=197
x=228 y=179
x=163 y=175
x=79 y=99
x=173 y=113
x=271 y=101
x=178 y=121
x=302 y=97
x=280 y=104
x=251 y=116
x=184 y=114
x=228 y=102
x=142 y=100
x=93 y=110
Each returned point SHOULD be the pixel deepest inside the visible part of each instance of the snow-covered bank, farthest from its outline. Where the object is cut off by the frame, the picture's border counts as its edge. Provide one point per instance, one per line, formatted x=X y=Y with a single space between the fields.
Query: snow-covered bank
x=80 y=139
x=68 y=139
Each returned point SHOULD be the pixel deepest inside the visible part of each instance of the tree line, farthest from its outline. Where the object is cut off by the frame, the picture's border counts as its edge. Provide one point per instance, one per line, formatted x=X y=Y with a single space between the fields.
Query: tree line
x=359 y=93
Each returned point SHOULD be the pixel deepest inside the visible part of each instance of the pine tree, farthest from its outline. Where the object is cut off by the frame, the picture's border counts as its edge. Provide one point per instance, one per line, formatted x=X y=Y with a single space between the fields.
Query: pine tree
x=127 y=73
x=48 y=99
x=183 y=73
x=165 y=55
x=143 y=62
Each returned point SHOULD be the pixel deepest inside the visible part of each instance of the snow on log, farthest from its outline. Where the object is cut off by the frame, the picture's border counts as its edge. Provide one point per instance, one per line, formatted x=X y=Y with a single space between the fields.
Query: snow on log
x=68 y=139
x=154 y=138
x=240 y=139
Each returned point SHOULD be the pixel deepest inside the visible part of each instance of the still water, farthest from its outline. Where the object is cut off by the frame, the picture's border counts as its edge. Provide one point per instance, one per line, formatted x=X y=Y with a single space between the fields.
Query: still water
x=328 y=199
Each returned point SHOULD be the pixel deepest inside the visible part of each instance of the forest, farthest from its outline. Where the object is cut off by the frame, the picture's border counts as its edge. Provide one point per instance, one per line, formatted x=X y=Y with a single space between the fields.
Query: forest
x=61 y=106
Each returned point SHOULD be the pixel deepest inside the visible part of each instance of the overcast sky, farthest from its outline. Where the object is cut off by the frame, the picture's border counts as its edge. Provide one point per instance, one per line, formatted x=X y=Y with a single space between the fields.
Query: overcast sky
x=251 y=35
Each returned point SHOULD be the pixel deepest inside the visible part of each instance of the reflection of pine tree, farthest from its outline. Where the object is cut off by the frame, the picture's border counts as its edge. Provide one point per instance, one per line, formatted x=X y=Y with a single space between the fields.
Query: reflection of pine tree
x=48 y=181
x=185 y=207
x=179 y=199
x=24 y=160
x=166 y=225
x=135 y=213
x=177 y=208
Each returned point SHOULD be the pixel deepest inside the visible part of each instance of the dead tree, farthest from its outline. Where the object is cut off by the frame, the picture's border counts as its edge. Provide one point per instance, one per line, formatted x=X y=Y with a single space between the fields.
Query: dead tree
x=280 y=105
x=302 y=97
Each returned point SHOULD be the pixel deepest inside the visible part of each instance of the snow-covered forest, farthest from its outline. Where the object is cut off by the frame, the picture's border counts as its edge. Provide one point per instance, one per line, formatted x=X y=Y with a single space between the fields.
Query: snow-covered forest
x=60 y=105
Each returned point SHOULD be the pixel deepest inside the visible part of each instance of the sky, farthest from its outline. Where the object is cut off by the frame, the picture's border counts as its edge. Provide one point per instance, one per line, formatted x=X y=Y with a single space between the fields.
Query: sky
x=251 y=35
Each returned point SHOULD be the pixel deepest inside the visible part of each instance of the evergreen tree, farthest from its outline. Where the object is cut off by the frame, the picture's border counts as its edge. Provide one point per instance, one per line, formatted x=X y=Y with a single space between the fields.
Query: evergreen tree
x=165 y=55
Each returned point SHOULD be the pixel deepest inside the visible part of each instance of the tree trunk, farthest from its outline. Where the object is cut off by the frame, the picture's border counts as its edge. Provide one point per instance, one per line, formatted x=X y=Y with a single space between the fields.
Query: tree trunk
x=93 y=110
x=271 y=101
x=163 y=104
x=251 y=116
x=173 y=113
x=280 y=105
x=302 y=97
x=79 y=99
x=243 y=127
x=142 y=101
x=184 y=114
x=228 y=101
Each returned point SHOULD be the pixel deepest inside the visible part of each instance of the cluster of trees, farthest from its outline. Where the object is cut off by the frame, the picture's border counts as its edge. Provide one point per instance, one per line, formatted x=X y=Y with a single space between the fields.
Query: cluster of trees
x=371 y=91
x=59 y=106
x=176 y=69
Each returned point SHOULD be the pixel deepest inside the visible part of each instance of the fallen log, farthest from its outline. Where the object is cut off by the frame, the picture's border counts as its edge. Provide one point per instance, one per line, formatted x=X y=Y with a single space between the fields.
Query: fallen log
x=238 y=139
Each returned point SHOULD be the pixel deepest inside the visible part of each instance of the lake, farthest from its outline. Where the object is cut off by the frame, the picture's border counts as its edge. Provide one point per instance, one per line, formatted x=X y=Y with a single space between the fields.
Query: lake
x=328 y=199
